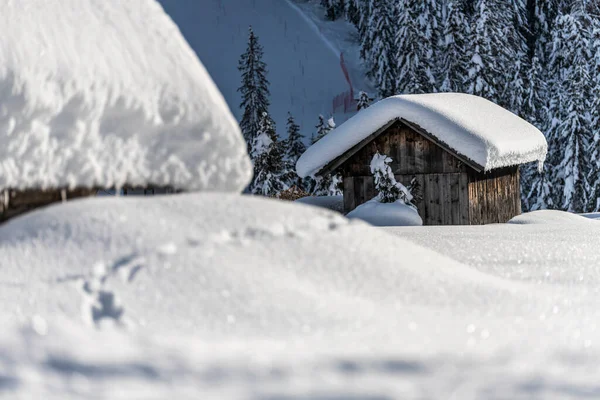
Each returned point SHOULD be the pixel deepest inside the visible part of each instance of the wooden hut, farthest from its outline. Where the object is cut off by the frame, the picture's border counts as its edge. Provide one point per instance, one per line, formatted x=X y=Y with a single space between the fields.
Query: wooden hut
x=463 y=151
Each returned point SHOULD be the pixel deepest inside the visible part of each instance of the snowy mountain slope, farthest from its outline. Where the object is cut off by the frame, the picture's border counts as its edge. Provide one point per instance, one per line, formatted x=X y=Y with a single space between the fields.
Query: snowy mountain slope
x=304 y=70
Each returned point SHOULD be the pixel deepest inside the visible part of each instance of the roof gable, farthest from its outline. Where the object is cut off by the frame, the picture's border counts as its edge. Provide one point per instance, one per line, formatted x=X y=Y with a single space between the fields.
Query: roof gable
x=347 y=156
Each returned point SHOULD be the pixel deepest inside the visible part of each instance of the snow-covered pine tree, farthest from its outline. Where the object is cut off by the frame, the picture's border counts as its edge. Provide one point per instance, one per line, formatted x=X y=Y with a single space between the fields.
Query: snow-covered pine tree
x=333 y=8
x=534 y=106
x=415 y=190
x=534 y=186
x=378 y=47
x=510 y=50
x=452 y=61
x=328 y=185
x=388 y=189
x=352 y=11
x=570 y=133
x=295 y=146
x=254 y=90
x=593 y=9
x=415 y=41
x=539 y=195
x=323 y=128
x=365 y=32
x=497 y=50
x=541 y=18
x=363 y=101
x=594 y=176
x=272 y=173
x=482 y=66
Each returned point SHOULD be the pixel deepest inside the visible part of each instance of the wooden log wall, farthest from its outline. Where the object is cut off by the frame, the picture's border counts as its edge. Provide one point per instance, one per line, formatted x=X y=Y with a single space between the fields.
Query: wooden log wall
x=444 y=202
x=453 y=192
x=494 y=197
x=15 y=202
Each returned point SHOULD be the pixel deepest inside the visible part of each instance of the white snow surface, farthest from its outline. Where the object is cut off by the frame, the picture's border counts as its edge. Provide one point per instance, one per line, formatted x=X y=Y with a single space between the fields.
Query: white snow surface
x=106 y=93
x=386 y=214
x=474 y=127
x=553 y=217
x=233 y=297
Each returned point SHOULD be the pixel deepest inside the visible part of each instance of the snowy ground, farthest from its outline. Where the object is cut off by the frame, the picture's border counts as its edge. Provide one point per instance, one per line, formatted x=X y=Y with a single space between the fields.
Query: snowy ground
x=304 y=68
x=203 y=296
x=225 y=296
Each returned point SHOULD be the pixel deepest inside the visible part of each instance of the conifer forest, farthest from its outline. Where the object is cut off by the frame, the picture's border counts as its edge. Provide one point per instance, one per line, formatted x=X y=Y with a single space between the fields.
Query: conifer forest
x=538 y=58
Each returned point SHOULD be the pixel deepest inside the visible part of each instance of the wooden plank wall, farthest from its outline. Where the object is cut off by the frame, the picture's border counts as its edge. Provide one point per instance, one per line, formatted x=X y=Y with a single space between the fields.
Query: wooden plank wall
x=14 y=202
x=454 y=193
x=494 y=197
x=411 y=154
x=444 y=202
x=17 y=202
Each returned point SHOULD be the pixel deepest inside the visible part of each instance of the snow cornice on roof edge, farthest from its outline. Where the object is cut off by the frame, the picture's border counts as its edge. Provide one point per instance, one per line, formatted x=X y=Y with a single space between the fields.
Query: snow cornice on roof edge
x=476 y=130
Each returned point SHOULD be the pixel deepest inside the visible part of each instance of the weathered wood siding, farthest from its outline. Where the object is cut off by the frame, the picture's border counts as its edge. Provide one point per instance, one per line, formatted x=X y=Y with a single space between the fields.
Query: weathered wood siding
x=411 y=154
x=444 y=202
x=494 y=197
x=14 y=202
x=453 y=193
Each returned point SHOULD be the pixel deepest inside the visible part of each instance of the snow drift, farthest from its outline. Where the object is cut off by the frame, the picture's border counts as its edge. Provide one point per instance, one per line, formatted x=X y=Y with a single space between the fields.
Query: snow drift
x=552 y=217
x=478 y=129
x=230 y=297
x=106 y=93
x=386 y=214
x=214 y=265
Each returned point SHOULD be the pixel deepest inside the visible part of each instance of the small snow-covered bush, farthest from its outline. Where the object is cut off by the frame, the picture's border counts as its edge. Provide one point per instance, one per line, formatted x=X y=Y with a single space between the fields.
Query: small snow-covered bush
x=389 y=191
x=393 y=204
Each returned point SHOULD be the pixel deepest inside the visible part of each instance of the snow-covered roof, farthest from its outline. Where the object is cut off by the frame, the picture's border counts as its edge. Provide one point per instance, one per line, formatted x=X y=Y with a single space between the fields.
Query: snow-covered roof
x=484 y=133
x=106 y=93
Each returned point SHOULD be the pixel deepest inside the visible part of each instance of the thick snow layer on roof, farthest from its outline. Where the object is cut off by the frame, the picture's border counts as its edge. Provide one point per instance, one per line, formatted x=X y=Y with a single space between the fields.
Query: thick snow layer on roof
x=104 y=93
x=473 y=127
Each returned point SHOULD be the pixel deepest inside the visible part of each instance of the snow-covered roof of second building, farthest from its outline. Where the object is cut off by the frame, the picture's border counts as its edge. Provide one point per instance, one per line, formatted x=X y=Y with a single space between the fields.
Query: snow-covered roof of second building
x=105 y=93
x=475 y=128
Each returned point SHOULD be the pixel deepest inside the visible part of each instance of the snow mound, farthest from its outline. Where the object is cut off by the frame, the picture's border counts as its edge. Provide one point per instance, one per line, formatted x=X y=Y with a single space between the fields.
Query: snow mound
x=57 y=360
x=592 y=215
x=476 y=128
x=218 y=265
x=333 y=203
x=224 y=296
x=107 y=93
x=551 y=217
x=386 y=214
